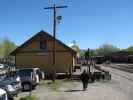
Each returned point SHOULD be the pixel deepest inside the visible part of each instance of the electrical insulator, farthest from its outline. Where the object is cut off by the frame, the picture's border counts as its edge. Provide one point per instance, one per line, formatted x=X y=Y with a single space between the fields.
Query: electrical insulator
x=59 y=17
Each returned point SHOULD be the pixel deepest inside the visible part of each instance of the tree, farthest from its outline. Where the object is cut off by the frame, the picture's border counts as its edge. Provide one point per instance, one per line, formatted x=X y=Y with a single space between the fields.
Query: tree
x=130 y=48
x=75 y=46
x=106 y=49
x=93 y=52
x=87 y=54
x=1 y=51
x=82 y=52
x=77 y=49
x=6 y=46
x=90 y=53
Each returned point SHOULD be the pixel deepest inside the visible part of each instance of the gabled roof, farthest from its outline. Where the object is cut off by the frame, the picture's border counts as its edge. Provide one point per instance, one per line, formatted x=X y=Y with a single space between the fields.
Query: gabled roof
x=34 y=37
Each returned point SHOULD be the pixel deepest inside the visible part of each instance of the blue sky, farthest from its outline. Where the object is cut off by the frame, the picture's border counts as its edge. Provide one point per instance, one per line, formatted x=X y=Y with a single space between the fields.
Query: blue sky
x=90 y=22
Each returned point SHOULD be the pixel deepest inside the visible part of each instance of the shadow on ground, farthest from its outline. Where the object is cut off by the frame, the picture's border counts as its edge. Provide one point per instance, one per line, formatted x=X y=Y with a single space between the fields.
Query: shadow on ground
x=73 y=90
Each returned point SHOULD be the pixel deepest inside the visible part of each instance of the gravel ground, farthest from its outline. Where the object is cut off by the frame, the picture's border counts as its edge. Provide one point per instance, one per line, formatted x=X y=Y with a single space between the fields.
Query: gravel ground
x=124 y=81
x=119 y=88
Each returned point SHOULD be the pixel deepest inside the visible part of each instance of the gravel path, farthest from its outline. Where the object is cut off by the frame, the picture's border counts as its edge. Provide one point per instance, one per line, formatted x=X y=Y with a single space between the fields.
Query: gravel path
x=124 y=81
x=95 y=91
x=119 y=88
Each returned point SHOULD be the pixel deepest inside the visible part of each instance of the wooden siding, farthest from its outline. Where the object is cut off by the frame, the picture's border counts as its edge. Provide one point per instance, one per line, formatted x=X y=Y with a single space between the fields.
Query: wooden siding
x=30 y=54
x=34 y=46
x=64 y=61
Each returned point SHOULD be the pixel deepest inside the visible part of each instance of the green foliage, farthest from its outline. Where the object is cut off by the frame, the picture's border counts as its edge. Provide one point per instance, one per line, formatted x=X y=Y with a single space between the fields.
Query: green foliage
x=93 y=52
x=6 y=46
x=29 y=98
x=90 y=53
x=106 y=49
x=53 y=85
x=82 y=52
x=103 y=50
x=76 y=48
x=130 y=48
x=87 y=54
x=1 y=51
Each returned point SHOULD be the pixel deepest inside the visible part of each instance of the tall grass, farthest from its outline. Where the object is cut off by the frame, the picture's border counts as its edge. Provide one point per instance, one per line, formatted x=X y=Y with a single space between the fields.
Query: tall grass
x=29 y=98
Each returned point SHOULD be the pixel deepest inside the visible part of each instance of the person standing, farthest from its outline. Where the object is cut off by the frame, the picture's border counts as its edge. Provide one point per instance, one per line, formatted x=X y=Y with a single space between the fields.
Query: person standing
x=84 y=78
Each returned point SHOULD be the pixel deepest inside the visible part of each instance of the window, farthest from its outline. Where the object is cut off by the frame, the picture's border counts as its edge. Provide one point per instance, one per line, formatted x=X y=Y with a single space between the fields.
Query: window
x=25 y=72
x=43 y=45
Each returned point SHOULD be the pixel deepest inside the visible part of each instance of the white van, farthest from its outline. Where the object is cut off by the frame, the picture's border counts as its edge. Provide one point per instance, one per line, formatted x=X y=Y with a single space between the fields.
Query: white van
x=3 y=95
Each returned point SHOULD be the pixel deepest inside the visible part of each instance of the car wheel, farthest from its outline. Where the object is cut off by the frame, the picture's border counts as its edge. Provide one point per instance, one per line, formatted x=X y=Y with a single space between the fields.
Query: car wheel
x=26 y=86
x=33 y=87
x=10 y=98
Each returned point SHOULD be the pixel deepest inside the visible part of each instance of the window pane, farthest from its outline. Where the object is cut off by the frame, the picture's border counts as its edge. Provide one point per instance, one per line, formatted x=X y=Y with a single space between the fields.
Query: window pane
x=43 y=45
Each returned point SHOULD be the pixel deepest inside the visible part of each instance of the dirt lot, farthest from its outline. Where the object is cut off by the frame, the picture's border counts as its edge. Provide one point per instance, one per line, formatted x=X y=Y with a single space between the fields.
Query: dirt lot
x=73 y=91
x=119 y=88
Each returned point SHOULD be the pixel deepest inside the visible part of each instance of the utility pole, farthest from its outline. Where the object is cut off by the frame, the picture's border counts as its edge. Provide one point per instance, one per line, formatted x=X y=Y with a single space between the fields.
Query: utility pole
x=87 y=57
x=55 y=18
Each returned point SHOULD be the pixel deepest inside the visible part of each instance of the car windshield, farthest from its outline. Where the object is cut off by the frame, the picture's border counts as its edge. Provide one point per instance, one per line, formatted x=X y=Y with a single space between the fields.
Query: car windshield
x=25 y=72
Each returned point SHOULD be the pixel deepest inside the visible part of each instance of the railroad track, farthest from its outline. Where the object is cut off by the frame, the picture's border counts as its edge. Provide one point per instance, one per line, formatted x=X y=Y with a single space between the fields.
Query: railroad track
x=122 y=76
x=123 y=69
x=128 y=69
x=125 y=66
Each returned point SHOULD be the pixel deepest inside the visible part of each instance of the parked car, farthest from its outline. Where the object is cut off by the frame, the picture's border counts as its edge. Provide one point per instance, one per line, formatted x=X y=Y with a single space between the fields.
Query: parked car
x=41 y=74
x=15 y=81
x=30 y=77
x=10 y=87
x=1 y=66
x=3 y=95
x=2 y=76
